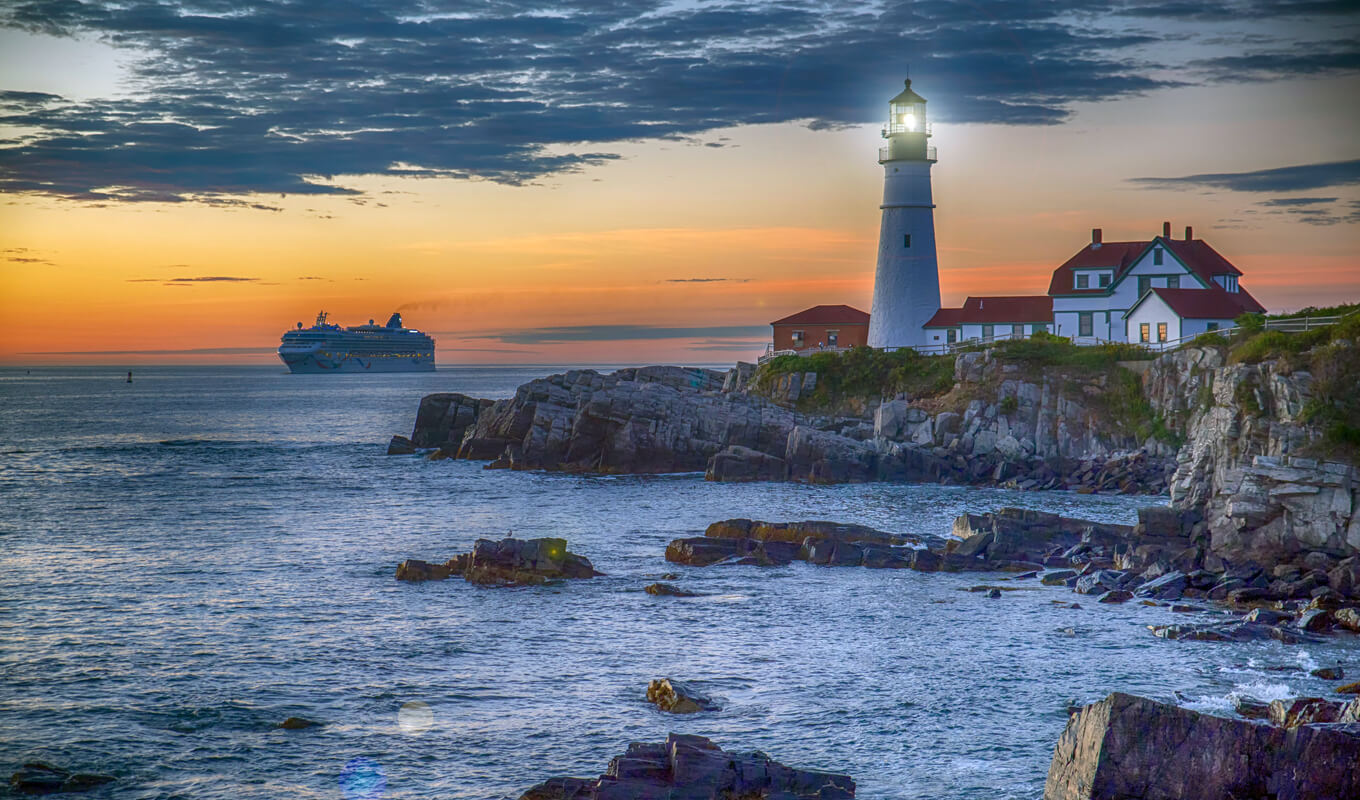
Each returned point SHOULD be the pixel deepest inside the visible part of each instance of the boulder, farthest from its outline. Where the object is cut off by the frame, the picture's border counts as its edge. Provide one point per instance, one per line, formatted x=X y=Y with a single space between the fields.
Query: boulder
x=1098 y=582
x=508 y=562
x=1348 y=618
x=677 y=698
x=1303 y=711
x=443 y=419
x=1115 y=596
x=1315 y=620
x=1168 y=587
x=1329 y=673
x=37 y=777
x=738 y=464
x=694 y=768
x=1132 y=747
x=667 y=590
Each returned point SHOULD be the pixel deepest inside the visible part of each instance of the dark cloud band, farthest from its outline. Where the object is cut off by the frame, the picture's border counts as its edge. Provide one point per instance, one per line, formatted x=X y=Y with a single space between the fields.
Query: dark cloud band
x=241 y=98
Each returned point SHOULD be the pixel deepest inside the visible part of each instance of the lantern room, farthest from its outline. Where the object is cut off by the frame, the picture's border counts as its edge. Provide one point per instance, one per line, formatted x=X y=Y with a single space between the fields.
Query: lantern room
x=907 y=114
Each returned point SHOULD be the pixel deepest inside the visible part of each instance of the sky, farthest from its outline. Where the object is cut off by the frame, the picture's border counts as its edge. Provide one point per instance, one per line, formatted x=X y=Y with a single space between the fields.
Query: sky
x=632 y=182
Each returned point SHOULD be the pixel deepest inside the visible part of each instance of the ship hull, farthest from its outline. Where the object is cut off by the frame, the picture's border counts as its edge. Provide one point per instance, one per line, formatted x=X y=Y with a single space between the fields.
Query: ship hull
x=314 y=365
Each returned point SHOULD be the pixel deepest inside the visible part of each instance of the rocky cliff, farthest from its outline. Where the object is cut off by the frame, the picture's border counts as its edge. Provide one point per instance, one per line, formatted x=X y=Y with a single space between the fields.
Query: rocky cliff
x=1248 y=480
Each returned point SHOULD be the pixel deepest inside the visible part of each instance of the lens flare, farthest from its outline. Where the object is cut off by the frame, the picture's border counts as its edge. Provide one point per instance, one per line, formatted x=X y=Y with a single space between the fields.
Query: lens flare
x=362 y=779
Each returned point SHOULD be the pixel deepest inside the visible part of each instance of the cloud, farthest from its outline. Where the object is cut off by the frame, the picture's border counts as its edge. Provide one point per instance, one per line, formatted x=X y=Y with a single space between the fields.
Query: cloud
x=707 y=280
x=1301 y=178
x=1296 y=201
x=611 y=333
x=230 y=102
x=203 y=279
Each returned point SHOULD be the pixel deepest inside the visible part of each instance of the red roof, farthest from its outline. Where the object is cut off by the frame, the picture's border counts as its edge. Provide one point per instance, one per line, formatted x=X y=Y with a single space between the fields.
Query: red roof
x=1202 y=260
x=1212 y=303
x=826 y=315
x=991 y=310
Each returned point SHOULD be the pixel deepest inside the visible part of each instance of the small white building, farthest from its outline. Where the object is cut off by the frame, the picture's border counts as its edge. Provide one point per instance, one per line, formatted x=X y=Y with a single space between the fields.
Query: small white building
x=1095 y=291
x=990 y=318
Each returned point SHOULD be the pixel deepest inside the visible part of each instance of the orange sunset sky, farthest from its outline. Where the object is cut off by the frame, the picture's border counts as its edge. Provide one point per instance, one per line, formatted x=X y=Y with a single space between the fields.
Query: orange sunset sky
x=679 y=247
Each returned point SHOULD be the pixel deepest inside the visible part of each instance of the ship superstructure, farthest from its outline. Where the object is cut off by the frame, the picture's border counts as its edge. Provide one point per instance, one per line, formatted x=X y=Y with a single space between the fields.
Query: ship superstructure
x=327 y=347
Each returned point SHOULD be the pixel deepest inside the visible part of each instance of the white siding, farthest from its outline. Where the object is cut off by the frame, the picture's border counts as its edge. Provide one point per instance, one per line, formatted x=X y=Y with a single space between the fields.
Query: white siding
x=1151 y=312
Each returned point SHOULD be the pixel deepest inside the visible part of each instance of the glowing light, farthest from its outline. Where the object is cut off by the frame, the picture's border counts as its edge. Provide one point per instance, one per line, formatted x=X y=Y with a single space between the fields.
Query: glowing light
x=415 y=718
x=909 y=120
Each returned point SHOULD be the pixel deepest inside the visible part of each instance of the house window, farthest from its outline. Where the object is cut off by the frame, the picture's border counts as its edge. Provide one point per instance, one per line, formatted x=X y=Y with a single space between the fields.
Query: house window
x=1039 y=327
x=1212 y=326
x=1144 y=283
x=987 y=331
x=1084 y=326
x=1173 y=282
x=1104 y=279
x=951 y=336
x=906 y=240
x=1161 y=331
x=797 y=339
x=1143 y=332
x=833 y=338
x=1157 y=256
x=1083 y=281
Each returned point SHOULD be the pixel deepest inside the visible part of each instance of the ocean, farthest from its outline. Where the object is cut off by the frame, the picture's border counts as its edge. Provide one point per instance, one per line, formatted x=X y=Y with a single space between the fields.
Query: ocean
x=191 y=558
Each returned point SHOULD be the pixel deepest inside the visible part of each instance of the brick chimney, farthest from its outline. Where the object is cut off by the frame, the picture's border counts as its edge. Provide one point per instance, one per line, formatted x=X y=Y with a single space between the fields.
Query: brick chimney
x=1189 y=233
x=1095 y=236
x=1166 y=230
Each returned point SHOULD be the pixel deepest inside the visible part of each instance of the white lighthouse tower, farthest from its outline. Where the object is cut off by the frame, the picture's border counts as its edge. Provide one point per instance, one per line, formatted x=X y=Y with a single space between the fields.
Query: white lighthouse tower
x=907 y=279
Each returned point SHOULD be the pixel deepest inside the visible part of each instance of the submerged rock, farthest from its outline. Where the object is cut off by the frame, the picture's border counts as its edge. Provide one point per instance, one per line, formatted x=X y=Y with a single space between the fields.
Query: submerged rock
x=509 y=562
x=677 y=698
x=667 y=590
x=1132 y=747
x=297 y=724
x=694 y=768
x=834 y=544
x=400 y=446
x=37 y=777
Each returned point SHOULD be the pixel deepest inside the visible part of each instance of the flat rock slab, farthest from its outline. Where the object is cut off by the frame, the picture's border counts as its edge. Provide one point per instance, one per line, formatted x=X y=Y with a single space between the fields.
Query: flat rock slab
x=1126 y=747
x=694 y=768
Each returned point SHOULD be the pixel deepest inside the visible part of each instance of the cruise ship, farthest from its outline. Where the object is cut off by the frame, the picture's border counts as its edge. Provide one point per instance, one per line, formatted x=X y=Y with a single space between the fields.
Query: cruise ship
x=327 y=347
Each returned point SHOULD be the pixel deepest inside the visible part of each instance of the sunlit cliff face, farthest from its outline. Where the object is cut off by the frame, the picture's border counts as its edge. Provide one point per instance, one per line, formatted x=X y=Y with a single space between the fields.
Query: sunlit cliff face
x=167 y=200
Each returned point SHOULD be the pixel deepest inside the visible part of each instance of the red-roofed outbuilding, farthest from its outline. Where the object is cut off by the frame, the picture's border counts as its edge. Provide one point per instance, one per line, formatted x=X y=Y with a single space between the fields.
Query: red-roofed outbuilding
x=822 y=326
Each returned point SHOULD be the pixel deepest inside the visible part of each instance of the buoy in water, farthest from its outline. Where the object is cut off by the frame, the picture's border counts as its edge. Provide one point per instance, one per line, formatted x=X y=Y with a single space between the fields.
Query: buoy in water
x=129 y=380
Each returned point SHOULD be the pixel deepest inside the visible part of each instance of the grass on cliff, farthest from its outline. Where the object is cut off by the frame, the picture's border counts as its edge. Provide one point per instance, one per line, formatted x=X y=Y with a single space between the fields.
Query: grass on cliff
x=1330 y=354
x=862 y=372
x=1046 y=350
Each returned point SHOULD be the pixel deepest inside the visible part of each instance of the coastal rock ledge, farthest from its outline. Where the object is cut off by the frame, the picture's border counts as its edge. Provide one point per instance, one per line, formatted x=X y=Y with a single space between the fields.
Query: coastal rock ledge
x=694 y=768
x=509 y=562
x=1126 y=746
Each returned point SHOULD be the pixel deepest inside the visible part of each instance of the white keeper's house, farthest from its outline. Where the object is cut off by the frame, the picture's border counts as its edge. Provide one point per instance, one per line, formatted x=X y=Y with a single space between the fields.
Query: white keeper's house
x=1145 y=292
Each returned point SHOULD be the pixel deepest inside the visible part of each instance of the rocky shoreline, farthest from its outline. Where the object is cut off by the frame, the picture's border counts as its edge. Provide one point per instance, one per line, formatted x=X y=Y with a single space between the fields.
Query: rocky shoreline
x=1254 y=529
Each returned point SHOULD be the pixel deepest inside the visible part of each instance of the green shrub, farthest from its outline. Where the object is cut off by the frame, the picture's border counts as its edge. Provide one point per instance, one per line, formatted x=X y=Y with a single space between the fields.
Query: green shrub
x=1010 y=404
x=863 y=372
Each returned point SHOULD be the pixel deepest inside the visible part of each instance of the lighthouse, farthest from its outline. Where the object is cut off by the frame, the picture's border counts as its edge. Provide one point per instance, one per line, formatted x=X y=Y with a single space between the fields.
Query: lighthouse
x=907 y=278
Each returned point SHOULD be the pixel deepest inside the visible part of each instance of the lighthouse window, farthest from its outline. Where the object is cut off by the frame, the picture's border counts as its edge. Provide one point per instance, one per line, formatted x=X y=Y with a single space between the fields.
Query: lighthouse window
x=906 y=240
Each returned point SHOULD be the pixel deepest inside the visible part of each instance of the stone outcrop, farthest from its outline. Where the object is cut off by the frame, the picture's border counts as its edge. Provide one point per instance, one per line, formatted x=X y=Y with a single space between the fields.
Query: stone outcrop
x=694 y=768
x=442 y=420
x=509 y=562
x=677 y=698
x=1126 y=746
x=400 y=446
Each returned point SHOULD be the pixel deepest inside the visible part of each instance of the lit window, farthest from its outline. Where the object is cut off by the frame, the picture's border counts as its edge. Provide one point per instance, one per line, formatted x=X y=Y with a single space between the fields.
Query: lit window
x=1161 y=331
x=1143 y=332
